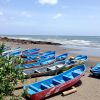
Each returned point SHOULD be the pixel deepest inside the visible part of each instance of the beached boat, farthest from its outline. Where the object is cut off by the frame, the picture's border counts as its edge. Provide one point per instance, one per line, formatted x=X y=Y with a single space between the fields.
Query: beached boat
x=12 y=52
x=6 y=48
x=45 y=55
x=71 y=63
x=29 y=52
x=48 y=52
x=30 y=60
x=62 y=57
x=50 y=55
x=32 y=51
x=39 y=63
x=42 y=89
x=35 y=57
x=95 y=70
x=81 y=57
x=47 y=70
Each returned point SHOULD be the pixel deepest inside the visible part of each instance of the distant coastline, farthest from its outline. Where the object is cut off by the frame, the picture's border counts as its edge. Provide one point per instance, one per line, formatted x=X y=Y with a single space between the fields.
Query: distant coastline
x=7 y=39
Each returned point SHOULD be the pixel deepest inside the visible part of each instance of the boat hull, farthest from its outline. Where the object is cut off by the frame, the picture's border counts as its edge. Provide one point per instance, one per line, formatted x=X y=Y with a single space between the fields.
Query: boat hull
x=52 y=72
x=95 y=71
x=56 y=89
x=72 y=65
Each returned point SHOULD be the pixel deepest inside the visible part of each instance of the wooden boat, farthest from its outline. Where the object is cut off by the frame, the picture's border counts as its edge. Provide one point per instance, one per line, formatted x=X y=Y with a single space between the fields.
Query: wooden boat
x=39 y=63
x=11 y=52
x=29 y=52
x=6 y=48
x=42 y=89
x=71 y=63
x=35 y=57
x=95 y=71
x=81 y=57
x=48 y=52
x=30 y=60
x=47 y=70
x=62 y=57
x=50 y=55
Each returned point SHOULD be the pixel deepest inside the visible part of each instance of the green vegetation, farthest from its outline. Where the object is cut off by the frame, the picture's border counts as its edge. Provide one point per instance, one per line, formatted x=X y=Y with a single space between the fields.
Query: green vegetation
x=9 y=75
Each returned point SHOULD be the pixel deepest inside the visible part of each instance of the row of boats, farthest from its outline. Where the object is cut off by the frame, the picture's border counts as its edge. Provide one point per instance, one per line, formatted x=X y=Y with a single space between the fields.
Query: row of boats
x=47 y=63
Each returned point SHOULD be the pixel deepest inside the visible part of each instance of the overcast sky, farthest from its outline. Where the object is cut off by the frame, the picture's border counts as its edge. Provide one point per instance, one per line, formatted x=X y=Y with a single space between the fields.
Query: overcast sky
x=64 y=17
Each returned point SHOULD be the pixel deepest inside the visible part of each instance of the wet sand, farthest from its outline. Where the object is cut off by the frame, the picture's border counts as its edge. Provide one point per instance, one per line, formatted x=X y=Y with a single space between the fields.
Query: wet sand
x=88 y=88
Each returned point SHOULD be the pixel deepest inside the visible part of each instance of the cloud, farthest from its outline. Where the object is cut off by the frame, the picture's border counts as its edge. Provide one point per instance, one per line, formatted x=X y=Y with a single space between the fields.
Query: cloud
x=57 y=16
x=49 y=2
x=26 y=14
x=1 y=13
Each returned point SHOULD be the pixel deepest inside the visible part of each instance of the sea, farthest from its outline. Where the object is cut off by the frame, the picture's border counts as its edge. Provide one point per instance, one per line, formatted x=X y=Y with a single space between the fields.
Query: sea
x=86 y=45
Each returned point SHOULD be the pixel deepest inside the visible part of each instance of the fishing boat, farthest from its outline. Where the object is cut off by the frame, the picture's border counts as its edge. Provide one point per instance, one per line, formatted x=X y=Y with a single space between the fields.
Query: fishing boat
x=11 y=52
x=29 y=58
x=6 y=48
x=50 y=55
x=62 y=57
x=42 y=89
x=81 y=58
x=95 y=71
x=71 y=63
x=32 y=51
x=29 y=52
x=48 y=52
x=47 y=70
x=39 y=63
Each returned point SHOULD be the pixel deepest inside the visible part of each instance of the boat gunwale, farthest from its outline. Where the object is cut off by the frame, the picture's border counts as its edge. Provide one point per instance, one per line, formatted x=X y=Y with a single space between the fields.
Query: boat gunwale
x=82 y=74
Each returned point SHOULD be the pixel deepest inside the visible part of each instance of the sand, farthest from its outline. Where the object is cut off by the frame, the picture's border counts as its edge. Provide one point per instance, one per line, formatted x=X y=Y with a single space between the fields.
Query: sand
x=88 y=88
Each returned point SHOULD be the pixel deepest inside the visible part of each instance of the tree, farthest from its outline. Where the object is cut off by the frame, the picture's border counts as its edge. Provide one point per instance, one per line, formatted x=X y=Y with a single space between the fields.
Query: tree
x=9 y=75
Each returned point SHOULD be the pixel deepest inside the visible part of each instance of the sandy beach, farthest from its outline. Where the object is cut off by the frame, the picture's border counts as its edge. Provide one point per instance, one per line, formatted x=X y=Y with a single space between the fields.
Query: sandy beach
x=88 y=88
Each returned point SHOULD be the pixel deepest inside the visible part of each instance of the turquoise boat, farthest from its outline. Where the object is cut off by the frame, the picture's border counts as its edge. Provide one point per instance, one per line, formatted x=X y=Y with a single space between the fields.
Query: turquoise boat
x=42 y=89
x=81 y=57
x=95 y=70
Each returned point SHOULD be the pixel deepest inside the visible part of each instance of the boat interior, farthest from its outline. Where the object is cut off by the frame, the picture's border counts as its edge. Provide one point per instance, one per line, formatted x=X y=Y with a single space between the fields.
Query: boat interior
x=51 y=67
x=54 y=81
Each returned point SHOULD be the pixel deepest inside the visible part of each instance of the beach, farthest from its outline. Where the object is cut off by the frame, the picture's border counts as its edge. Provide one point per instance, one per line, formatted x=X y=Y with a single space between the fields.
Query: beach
x=88 y=88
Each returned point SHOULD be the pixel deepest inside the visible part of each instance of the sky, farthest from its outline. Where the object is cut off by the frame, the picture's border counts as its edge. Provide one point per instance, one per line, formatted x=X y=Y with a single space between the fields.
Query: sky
x=50 y=17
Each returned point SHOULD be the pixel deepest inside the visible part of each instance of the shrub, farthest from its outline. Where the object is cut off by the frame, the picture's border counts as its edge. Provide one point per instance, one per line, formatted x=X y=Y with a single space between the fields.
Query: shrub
x=9 y=75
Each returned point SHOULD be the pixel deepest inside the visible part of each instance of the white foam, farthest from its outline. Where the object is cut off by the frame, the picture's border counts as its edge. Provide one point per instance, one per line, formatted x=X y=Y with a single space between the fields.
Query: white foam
x=63 y=41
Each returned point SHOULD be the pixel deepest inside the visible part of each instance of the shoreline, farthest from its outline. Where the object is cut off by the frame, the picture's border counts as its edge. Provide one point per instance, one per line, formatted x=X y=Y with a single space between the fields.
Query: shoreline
x=86 y=82
x=92 y=60
x=7 y=39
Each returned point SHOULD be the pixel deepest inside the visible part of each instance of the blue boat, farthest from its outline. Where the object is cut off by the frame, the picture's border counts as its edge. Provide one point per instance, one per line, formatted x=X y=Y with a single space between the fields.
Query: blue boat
x=31 y=59
x=62 y=57
x=29 y=52
x=42 y=89
x=81 y=57
x=28 y=58
x=46 y=70
x=16 y=53
x=13 y=52
x=48 y=53
x=96 y=70
x=39 y=63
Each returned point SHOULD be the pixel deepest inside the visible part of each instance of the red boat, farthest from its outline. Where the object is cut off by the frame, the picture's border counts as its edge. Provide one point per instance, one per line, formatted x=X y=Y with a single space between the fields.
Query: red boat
x=45 y=88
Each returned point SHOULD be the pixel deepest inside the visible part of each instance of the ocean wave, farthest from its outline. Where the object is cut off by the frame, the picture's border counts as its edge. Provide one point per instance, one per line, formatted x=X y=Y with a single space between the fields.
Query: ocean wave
x=63 y=41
